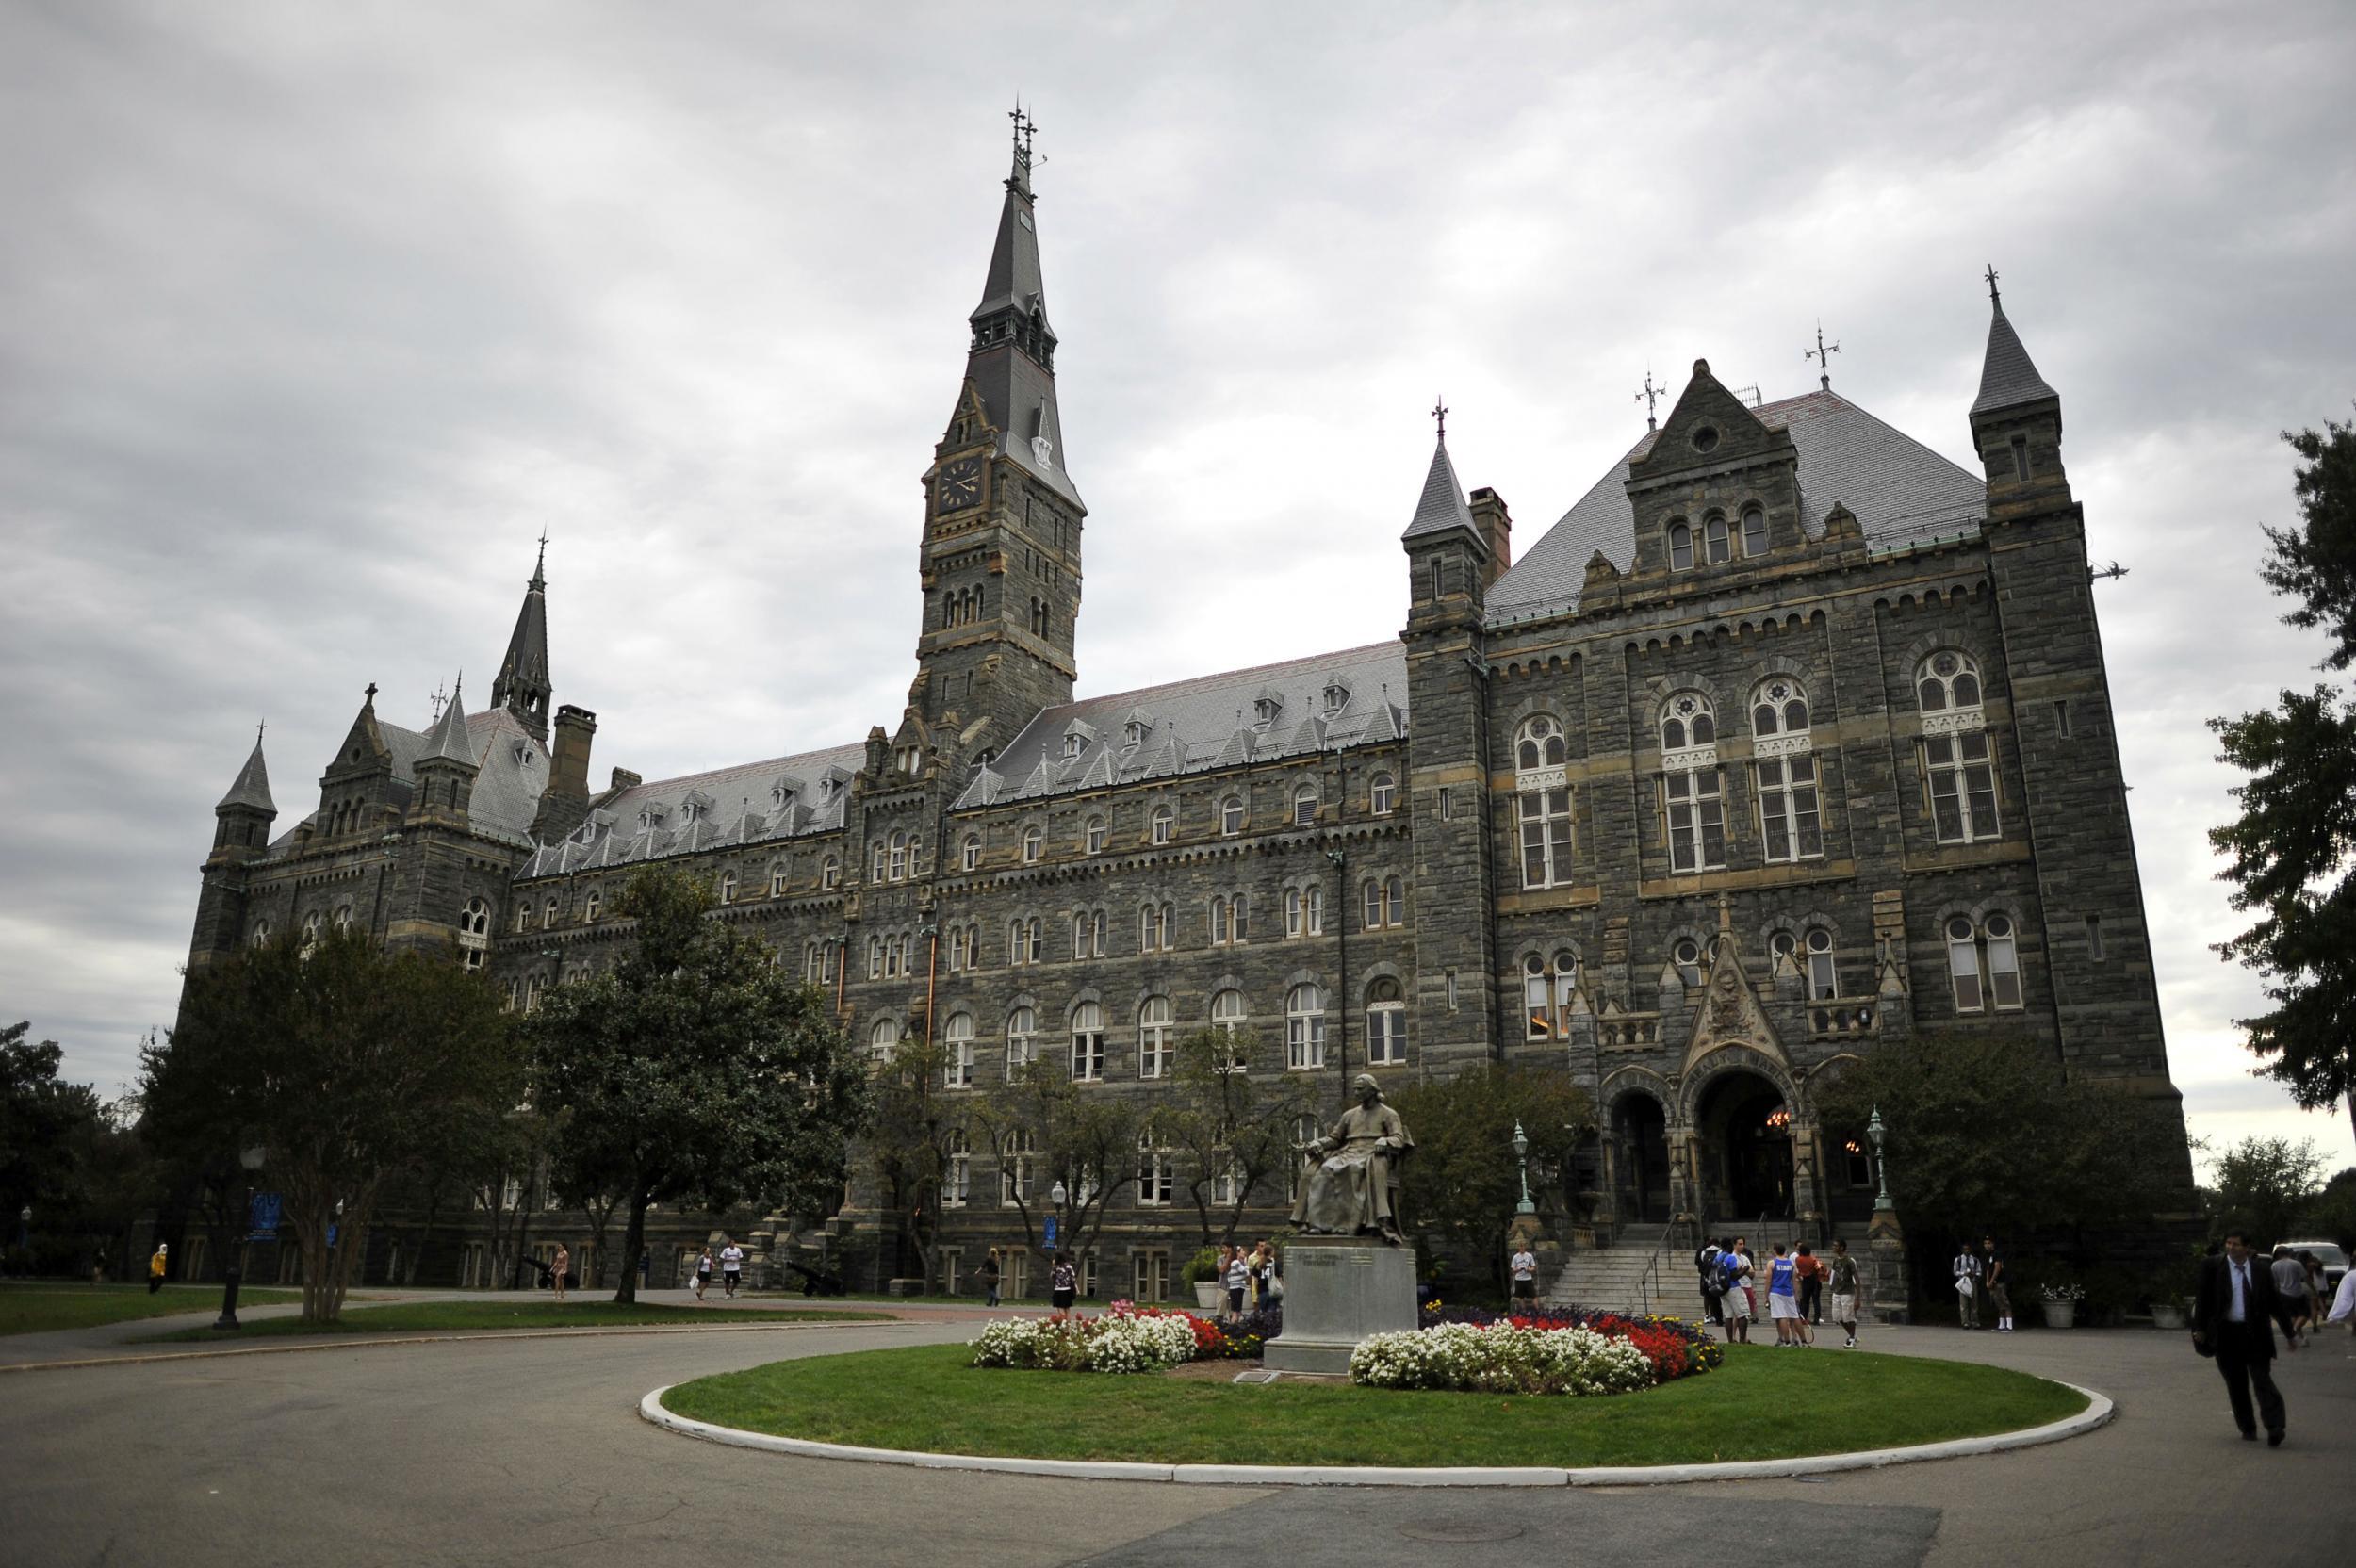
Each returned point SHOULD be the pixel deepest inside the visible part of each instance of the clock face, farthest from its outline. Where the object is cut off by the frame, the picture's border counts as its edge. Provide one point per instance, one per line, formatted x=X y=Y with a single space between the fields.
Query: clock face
x=958 y=485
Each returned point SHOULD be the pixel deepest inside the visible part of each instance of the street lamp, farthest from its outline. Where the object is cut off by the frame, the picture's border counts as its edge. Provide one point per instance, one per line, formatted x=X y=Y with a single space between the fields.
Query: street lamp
x=250 y=1161
x=1055 y=1195
x=1874 y=1129
x=1521 y=1153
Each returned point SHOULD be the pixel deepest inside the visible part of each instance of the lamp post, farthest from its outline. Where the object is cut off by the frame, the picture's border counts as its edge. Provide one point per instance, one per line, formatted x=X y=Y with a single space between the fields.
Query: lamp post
x=1876 y=1131
x=1521 y=1154
x=1055 y=1195
x=250 y=1161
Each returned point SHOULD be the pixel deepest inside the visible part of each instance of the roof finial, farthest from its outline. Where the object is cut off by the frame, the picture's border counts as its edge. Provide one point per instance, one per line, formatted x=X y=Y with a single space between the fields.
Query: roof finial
x=259 y=726
x=372 y=694
x=1823 y=365
x=1650 y=396
x=540 y=561
x=437 y=699
x=1993 y=298
x=1439 y=412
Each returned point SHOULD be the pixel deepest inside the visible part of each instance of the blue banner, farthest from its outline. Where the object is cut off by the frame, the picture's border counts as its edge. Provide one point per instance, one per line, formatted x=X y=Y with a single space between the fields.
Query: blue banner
x=262 y=1216
x=1050 y=1224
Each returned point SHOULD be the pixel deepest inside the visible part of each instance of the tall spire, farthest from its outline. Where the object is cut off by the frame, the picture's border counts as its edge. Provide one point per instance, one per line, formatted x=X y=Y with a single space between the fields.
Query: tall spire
x=2007 y=378
x=1441 y=506
x=251 y=790
x=522 y=687
x=1010 y=361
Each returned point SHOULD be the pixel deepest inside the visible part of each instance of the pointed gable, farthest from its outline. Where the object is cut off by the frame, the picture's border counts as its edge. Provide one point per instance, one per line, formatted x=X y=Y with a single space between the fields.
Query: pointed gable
x=446 y=741
x=1709 y=426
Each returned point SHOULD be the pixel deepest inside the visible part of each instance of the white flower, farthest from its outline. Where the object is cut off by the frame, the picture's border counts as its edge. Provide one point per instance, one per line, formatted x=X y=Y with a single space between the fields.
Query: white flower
x=1501 y=1360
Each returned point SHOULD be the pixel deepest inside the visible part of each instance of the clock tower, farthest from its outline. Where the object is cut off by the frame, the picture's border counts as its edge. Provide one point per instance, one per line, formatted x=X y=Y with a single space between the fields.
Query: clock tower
x=1000 y=556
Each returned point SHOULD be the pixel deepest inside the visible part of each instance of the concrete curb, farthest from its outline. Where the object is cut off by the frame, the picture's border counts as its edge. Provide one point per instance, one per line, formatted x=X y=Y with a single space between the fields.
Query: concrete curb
x=2099 y=1410
x=454 y=1336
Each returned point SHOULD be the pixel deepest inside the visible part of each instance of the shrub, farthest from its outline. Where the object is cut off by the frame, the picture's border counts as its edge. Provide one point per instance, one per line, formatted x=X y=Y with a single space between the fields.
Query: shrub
x=1501 y=1359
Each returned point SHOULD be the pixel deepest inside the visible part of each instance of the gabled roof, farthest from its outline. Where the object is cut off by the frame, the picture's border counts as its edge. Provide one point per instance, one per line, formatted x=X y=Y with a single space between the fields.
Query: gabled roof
x=2007 y=379
x=1200 y=723
x=1901 y=491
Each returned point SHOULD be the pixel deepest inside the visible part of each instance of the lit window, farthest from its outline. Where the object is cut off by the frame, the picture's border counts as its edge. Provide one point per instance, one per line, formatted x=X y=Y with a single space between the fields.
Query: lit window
x=1547 y=989
x=959 y=1069
x=1382 y=795
x=1164 y=819
x=1097 y=833
x=1305 y=1027
x=1032 y=841
x=1022 y=1038
x=1154 y=1021
x=1305 y=805
x=1681 y=546
x=1088 y=1043
x=1231 y=816
x=969 y=853
x=1754 y=533
x=1386 y=1025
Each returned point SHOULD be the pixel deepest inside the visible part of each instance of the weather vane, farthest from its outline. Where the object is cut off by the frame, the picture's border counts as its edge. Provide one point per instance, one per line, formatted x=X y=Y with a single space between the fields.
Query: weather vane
x=1993 y=298
x=1650 y=396
x=1820 y=355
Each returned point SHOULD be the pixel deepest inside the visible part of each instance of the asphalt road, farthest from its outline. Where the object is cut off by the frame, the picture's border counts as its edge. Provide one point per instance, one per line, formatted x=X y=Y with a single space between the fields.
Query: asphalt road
x=531 y=1450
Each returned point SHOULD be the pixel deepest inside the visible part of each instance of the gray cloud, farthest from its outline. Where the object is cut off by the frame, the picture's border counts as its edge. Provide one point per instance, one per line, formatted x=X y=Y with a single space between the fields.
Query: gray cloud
x=313 y=318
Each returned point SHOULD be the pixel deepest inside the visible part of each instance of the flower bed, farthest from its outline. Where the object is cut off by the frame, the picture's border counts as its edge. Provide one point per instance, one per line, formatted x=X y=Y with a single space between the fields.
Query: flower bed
x=1675 y=1347
x=1501 y=1359
x=1125 y=1338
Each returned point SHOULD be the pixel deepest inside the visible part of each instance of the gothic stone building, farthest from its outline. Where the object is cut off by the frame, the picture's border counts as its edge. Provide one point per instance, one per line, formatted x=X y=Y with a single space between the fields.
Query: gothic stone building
x=1787 y=738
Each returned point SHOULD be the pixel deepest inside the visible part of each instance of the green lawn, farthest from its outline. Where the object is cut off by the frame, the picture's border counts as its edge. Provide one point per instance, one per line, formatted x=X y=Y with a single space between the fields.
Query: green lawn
x=1757 y=1406
x=434 y=1317
x=39 y=1307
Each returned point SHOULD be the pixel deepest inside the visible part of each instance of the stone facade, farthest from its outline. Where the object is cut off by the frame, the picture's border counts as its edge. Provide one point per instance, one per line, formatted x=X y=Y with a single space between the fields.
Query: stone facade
x=1789 y=738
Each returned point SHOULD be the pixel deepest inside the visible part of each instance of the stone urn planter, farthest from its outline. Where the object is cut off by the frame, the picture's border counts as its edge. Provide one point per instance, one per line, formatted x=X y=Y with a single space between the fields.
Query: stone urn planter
x=1210 y=1295
x=2060 y=1314
x=2167 y=1315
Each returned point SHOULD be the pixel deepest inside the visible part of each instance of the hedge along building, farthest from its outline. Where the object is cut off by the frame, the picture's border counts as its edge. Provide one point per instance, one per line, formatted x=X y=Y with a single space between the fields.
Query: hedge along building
x=1790 y=737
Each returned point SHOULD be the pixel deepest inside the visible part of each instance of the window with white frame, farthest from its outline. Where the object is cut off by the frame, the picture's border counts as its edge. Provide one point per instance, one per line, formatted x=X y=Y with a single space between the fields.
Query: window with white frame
x=1305 y=1027
x=1959 y=774
x=1153 y=1038
x=1687 y=720
x=970 y=852
x=875 y=957
x=831 y=873
x=1096 y=835
x=1717 y=541
x=1382 y=902
x=1021 y=1040
x=1154 y=928
x=1034 y=841
x=1687 y=956
x=1824 y=978
x=814 y=962
x=1948 y=682
x=884 y=1038
x=1548 y=986
x=474 y=932
x=727 y=887
x=1231 y=816
x=1229 y=1016
x=342 y=921
x=1226 y=1177
x=1545 y=819
x=1304 y=912
x=311 y=933
x=1150 y=1269
x=1161 y=824
x=898 y=870
x=1305 y=805
x=1229 y=918
x=547 y=916
x=1022 y=944
x=1386 y=1024
x=1157 y=1171
x=1791 y=826
x=1382 y=795
x=1305 y=1130
x=958 y=1067
x=1088 y=1043
x=1692 y=812
x=956 y=1182
x=523 y=914
x=1017 y=1159
x=776 y=879
x=1680 y=545
x=876 y=860
x=1984 y=963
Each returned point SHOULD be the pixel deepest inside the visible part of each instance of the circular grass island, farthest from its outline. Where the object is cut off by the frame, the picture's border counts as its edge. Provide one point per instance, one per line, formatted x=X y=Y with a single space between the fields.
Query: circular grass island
x=1759 y=1406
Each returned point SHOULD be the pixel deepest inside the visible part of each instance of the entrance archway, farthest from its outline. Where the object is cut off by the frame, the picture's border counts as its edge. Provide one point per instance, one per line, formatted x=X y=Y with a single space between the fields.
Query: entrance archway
x=1640 y=1127
x=1747 y=1148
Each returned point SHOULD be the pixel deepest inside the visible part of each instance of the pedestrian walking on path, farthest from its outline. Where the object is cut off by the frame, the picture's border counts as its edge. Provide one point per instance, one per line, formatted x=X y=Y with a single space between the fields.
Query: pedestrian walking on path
x=1810 y=1269
x=1063 y=1283
x=2290 y=1292
x=1967 y=1270
x=731 y=1267
x=703 y=1272
x=2233 y=1319
x=988 y=1275
x=1843 y=1280
x=1705 y=1265
x=1992 y=1280
x=155 y=1268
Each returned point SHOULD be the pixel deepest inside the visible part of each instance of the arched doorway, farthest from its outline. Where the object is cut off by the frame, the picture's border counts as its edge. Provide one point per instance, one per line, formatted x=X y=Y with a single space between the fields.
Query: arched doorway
x=1640 y=1129
x=1746 y=1144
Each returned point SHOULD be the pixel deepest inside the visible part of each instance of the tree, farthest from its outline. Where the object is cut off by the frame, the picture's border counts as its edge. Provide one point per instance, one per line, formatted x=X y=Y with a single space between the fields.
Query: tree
x=1462 y=1184
x=2264 y=1186
x=2332 y=1215
x=693 y=1070
x=917 y=1131
x=347 y=1065
x=1986 y=1135
x=40 y=1120
x=2289 y=851
x=1235 y=1130
x=1075 y=1136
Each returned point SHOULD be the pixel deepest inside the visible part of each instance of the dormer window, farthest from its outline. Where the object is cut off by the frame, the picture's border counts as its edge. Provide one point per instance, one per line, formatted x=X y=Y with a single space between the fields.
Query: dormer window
x=1337 y=698
x=781 y=797
x=1136 y=731
x=1073 y=745
x=1266 y=708
x=523 y=755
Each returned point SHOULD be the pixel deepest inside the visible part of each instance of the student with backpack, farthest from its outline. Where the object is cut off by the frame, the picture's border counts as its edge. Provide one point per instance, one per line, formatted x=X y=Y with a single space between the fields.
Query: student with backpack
x=1705 y=1265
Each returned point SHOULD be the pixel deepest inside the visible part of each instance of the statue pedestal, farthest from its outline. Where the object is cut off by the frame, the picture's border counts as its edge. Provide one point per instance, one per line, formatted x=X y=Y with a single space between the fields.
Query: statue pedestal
x=1337 y=1290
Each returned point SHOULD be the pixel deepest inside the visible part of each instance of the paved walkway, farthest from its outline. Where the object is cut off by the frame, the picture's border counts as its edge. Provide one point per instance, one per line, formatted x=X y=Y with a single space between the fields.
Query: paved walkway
x=479 y=1451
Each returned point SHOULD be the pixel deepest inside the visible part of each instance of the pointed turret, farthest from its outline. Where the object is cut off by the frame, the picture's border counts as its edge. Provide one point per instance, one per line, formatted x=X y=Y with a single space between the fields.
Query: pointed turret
x=1010 y=364
x=1441 y=506
x=2007 y=377
x=447 y=769
x=251 y=790
x=1448 y=552
x=523 y=687
x=2016 y=424
x=446 y=741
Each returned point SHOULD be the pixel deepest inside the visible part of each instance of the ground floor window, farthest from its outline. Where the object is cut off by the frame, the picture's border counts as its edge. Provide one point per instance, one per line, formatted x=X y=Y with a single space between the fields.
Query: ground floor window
x=951 y=1268
x=1153 y=1276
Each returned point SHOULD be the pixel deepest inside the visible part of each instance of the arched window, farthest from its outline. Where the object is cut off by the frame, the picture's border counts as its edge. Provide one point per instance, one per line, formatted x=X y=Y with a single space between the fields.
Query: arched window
x=261 y=932
x=1161 y=824
x=1305 y=805
x=1156 y=1169
x=1304 y=912
x=1716 y=545
x=776 y=879
x=1386 y=902
x=1228 y=1016
x=523 y=914
x=1681 y=546
x=1779 y=707
x=1754 y=533
x=1382 y=795
x=1549 y=987
x=1984 y=964
x=1305 y=1130
x=1154 y=923
x=1154 y=1043
x=547 y=916
x=1022 y=1038
x=1017 y=1156
x=875 y=957
x=1824 y=980
x=1542 y=802
x=883 y=1039
x=813 y=963
x=956 y=1182
x=1687 y=720
x=343 y=920
x=831 y=873
x=474 y=932
x=1231 y=816
x=728 y=888
x=1540 y=743
x=1097 y=834
x=1693 y=797
x=957 y=1068
x=1947 y=681
x=1791 y=827
x=1687 y=956
x=1386 y=1024
x=1088 y=1043
x=1305 y=1027
x=876 y=860
x=970 y=852
x=898 y=848
x=1034 y=841
x=311 y=933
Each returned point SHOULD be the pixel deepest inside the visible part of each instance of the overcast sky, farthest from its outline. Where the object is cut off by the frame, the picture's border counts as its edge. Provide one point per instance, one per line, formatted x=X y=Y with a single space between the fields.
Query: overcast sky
x=313 y=316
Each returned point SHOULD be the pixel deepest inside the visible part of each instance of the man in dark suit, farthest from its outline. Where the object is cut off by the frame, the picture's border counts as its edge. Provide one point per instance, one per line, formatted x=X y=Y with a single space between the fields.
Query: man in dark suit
x=2233 y=1318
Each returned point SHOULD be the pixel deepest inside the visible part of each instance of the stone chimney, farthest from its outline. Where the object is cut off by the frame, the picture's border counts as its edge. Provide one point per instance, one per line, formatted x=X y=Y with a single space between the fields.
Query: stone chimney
x=566 y=800
x=1496 y=531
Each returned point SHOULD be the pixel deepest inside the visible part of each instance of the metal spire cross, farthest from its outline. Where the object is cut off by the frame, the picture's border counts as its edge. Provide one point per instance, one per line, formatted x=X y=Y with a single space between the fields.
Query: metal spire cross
x=1024 y=128
x=259 y=727
x=1439 y=414
x=1820 y=355
x=1993 y=298
x=1650 y=396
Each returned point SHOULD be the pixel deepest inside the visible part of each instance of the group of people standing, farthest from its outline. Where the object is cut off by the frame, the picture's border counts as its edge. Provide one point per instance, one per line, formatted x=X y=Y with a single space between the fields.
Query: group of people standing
x=1797 y=1289
x=1247 y=1275
x=1979 y=1275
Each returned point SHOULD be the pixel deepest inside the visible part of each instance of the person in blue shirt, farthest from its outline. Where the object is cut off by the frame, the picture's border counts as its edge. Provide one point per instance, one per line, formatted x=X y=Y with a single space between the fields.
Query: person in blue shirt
x=1783 y=1303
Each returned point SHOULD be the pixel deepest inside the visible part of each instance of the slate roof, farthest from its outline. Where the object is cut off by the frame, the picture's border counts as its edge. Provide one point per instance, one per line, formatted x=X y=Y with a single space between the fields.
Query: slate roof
x=1441 y=507
x=511 y=770
x=2007 y=379
x=1017 y=394
x=252 y=787
x=451 y=738
x=1210 y=721
x=1902 y=491
x=740 y=805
